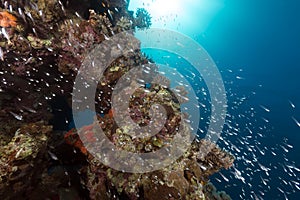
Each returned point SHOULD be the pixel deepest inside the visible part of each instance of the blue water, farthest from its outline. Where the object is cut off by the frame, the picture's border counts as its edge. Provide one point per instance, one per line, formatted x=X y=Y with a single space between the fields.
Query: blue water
x=263 y=39
x=256 y=46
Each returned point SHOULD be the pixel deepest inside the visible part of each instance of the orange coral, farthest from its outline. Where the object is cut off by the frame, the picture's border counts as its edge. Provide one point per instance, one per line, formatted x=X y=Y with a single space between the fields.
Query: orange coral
x=72 y=138
x=7 y=20
x=111 y=113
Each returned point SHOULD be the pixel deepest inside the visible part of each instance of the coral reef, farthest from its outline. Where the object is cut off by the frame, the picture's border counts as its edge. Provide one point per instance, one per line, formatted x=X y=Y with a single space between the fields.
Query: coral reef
x=124 y=24
x=187 y=178
x=22 y=160
x=211 y=193
x=184 y=179
x=143 y=18
x=42 y=45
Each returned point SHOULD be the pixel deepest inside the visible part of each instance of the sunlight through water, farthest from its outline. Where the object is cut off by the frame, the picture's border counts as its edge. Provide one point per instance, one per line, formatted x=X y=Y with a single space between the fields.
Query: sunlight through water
x=180 y=15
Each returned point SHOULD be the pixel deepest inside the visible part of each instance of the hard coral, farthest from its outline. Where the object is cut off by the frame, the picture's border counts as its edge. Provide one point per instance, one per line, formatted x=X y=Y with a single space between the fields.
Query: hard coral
x=181 y=180
x=124 y=24
x=22 y=160
x=211 y=193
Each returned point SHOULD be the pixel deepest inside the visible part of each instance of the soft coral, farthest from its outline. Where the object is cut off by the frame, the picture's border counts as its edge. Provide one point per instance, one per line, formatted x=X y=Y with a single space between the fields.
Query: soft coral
x=7 y=20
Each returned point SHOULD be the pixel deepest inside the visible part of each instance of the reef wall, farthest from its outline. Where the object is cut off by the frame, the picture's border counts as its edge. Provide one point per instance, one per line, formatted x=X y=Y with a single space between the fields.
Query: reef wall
x=42 y=46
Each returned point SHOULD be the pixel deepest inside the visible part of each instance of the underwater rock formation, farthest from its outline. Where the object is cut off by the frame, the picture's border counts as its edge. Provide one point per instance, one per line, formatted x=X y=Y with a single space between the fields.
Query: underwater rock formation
x=187 y=178
x=42 y=45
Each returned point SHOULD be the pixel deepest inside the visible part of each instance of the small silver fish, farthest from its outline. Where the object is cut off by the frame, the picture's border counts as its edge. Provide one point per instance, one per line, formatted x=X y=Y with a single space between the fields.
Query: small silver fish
x=1 y=54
